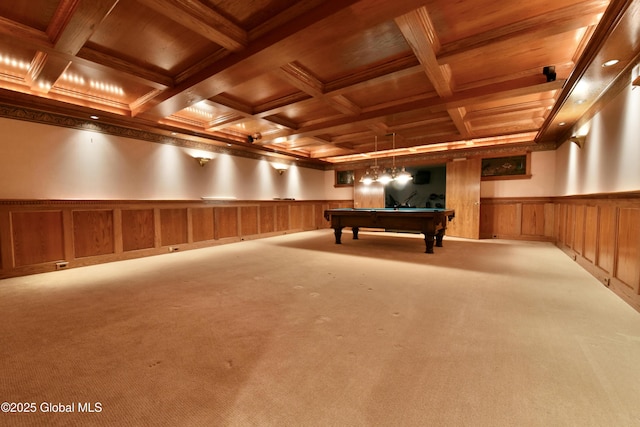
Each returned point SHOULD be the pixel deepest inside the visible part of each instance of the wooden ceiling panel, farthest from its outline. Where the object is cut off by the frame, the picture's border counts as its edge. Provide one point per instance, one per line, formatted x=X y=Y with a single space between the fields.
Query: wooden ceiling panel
x=305 y=113
x=459 y=20
x=358 y=51
x=539 y=99
x=497 y=64
x=265 y=89
x=145 y=37
x=390 y=90
x=250 y=14
x=36 y=14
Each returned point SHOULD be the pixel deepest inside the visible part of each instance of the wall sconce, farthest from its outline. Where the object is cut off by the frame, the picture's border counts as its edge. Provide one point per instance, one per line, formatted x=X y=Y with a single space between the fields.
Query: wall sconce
x=202 y=160
x=578 y=140
x=280 y=167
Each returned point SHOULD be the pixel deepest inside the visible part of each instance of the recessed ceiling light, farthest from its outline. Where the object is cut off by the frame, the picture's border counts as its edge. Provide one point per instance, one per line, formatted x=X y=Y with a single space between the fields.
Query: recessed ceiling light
x=561 y=124
x=581 y=101
x=94 y=117
x=610 y=62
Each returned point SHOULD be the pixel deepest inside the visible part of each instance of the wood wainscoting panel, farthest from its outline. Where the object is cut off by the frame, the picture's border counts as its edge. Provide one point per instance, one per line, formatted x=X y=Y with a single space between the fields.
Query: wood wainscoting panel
x=607 y=225
x=561 y=224
x=533 y=219
x=202 y=224
x=628 y=259
x=518 y=218
x=282 y=218
x=570 y=225
x=138 y=229
x=226 y=222
x=501 y=220
x=578 y=232
x=93 y=233
x=549 y=220
x=487 y=215
x=295 y=217
x=267 y=219
x=37 y=234
x=318 y=214
x=308 y=217
x=38 y=237
x=590 y=233
x=173 y=226
x=249 y=220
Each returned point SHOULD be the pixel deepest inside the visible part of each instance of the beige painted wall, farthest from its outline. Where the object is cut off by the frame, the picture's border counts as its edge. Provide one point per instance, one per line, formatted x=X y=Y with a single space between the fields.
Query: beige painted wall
x=46 y=162
x=609 y=160
x=541 y=183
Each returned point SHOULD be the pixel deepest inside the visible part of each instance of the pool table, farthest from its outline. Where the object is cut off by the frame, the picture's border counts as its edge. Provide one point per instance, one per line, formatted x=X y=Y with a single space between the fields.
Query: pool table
x=430 y=222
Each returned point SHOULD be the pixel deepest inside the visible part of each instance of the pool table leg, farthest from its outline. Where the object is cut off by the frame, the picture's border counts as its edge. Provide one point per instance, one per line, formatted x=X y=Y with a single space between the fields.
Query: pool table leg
x=337 y=231
x=355 y=232
x=439 y=237
x=428 y=239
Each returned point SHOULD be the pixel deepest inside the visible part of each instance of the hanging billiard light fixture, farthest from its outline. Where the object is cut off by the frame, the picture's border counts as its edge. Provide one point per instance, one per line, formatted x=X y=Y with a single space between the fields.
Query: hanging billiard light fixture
x=403 y=176
x=371 y=174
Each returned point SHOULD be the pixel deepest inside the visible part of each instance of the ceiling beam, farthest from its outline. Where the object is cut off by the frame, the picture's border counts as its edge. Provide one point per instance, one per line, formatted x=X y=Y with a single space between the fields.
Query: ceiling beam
x=203 y=20
x=40 y=41
x=72 y=25
x=419 y=31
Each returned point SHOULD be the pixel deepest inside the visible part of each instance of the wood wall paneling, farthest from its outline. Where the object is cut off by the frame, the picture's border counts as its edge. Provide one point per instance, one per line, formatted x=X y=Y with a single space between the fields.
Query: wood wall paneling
x=507 y=221
x=570 y=225
x=533 y=219
x=367 y=196
x=202 y=224
x=463 y=196
x=267 y=219
x=173 y=226
x=318 y=213
x=38 y=237
x=282 y=218
x=628 y=260
x=35 y=233
x=578 y=232
x=308 y=217
x=561 y=223
x=607 y=226
x=549 y=219
x=590 y=233
x=249 y=220
x=93 y=233
x=526 y=218
x=226 y=222
x=296 y=217
x=487 y=215
x=138 y=229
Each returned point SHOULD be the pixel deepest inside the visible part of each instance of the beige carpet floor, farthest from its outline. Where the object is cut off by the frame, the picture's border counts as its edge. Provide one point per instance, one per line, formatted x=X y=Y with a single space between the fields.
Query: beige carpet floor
x=297 y=331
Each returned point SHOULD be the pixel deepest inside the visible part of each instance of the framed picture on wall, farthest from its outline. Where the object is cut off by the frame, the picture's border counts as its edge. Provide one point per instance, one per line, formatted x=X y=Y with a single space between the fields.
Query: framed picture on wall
x=511 y=167
x=344 y=178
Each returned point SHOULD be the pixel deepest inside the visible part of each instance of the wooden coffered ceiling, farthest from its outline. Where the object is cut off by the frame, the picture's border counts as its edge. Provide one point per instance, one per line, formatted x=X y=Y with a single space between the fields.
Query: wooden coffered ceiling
x=320 y=80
